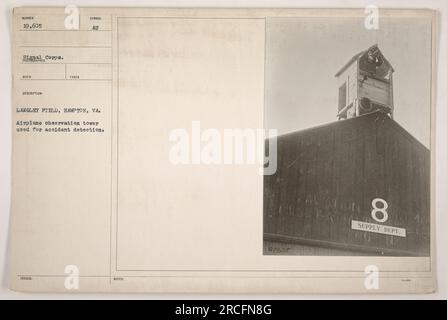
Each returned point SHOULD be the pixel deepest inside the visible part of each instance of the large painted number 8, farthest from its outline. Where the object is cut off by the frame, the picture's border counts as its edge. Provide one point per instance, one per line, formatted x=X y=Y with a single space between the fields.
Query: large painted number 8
x=381 y=210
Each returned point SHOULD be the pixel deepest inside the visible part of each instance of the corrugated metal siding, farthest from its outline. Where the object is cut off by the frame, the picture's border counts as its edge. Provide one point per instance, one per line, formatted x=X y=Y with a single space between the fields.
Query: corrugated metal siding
x=328 y=176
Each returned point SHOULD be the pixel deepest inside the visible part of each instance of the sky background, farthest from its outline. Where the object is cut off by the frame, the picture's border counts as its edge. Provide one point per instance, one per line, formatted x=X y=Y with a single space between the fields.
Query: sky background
x=303 y=55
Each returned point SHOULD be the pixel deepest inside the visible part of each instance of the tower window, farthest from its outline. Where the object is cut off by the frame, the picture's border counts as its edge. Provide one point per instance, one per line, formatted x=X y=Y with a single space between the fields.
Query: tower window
x=342 y=96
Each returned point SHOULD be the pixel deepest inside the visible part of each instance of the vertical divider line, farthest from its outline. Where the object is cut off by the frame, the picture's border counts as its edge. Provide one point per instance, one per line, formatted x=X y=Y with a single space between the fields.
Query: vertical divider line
x=111 y=152
x=117 y=137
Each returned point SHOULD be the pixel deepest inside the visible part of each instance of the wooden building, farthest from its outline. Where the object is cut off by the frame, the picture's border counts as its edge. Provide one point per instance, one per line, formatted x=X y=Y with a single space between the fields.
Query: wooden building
x=328 y=177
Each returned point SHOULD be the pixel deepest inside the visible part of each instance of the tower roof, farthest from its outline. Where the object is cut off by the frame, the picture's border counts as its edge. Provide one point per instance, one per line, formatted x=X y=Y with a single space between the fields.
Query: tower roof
x=358 y=56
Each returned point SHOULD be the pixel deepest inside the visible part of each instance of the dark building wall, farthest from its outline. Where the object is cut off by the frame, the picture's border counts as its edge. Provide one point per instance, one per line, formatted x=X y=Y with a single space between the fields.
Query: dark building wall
x=329 y=175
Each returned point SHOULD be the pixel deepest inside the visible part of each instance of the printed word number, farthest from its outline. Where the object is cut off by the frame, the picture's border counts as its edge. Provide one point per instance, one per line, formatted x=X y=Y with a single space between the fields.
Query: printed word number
x=381 y=210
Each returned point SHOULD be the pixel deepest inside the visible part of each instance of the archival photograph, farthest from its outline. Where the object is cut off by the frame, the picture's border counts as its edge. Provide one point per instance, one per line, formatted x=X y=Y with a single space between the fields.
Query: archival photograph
x=351 y=103
x=222 y=151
